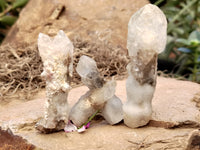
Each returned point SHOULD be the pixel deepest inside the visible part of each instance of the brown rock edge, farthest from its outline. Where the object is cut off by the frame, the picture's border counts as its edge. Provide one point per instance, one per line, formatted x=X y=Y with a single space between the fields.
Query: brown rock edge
x=8 y=141
x=172 y=108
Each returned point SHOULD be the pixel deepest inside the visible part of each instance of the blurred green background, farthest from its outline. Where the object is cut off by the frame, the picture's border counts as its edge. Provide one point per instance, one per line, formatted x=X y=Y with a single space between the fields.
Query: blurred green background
x=181 y=57
x=182 y=54
x=9 y=12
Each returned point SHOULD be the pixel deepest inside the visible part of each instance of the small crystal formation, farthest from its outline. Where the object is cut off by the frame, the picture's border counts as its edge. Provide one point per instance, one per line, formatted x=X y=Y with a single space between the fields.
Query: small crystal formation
x=147 y=30
x=101 y=95
x=147 y=34
x=88 y=71
x=57 y=57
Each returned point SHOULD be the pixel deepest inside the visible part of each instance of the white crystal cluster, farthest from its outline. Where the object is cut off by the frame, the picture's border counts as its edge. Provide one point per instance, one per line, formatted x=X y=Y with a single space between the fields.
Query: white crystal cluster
x=101 y=95
x=146 y=38
x=57 y=57
x=147 y=34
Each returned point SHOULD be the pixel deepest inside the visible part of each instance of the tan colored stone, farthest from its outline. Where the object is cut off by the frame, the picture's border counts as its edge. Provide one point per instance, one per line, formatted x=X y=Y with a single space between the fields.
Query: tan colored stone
x=104 y=20
x=172 y=102
x=105 y=137
x=171 y=105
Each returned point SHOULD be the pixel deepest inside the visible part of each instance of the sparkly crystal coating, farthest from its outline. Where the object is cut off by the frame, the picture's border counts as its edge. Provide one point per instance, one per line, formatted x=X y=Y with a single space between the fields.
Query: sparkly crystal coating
x=57 y=57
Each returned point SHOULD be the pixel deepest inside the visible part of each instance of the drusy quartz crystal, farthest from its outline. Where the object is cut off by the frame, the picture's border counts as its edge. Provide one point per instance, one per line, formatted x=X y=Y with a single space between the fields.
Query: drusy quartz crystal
x=147 y=34
x=57 y=57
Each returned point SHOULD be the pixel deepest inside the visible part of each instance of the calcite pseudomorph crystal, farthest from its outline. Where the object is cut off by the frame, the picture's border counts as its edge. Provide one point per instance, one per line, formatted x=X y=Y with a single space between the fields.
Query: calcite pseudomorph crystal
x=147 y=34
x=101 y=95
x=57 y=57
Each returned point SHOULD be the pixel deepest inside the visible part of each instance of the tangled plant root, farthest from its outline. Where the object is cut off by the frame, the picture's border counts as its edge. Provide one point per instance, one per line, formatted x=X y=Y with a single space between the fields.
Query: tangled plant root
x=20 y=69
x=111 y=61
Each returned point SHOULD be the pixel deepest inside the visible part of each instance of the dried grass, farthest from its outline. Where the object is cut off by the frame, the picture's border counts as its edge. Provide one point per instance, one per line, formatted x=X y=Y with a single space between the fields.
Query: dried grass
x=20 y=69
x=111 y=61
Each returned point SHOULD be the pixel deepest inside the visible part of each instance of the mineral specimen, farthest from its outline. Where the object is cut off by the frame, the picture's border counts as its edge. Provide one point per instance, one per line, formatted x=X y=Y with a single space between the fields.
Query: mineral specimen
x=146 y=38
x=57 y=57
x=101 y=95
x=147 y=30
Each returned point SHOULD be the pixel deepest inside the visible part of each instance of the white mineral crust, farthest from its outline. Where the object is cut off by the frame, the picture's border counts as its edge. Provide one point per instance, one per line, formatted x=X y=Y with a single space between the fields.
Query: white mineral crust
x=57 y=57
x=147 y=34
x=101 y=95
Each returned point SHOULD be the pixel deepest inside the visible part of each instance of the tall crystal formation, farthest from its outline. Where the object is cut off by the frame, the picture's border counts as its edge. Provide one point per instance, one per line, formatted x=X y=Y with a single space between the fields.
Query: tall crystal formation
x=147 y=34
x=57 y=57
x=101 y=95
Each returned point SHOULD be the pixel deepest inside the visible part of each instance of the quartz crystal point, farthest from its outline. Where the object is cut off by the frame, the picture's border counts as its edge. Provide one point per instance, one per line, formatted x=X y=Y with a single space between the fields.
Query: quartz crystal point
x=147 y=30
x=101 y=95
x=57 y=57
x=146 y=38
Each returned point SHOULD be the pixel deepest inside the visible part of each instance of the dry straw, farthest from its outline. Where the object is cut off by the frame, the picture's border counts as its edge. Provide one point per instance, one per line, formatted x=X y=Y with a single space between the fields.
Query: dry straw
x=20 y=68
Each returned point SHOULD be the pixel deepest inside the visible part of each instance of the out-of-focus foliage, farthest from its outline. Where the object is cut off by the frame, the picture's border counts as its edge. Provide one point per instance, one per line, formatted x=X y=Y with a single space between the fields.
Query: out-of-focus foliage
x=9 y=11
x=183 y=45
x=190 y=55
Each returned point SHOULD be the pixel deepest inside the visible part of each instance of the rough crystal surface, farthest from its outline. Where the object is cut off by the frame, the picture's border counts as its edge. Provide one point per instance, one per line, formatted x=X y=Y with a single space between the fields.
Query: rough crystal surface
x=112 y=111
x=147 y=30
x=57 y=57
x=85 y=66
x=58 y=47
x=88 y=71
x=101 y=94
x=82 y=110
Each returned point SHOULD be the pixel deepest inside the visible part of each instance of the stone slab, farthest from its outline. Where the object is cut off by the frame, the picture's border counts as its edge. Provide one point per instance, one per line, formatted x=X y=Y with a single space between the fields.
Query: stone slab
x=172 y=101
x=171 y=104
x=105 y=137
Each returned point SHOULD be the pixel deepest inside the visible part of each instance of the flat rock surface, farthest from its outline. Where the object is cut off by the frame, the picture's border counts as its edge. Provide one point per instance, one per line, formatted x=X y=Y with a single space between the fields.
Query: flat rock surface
x=172 y=101
x=171 y=104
